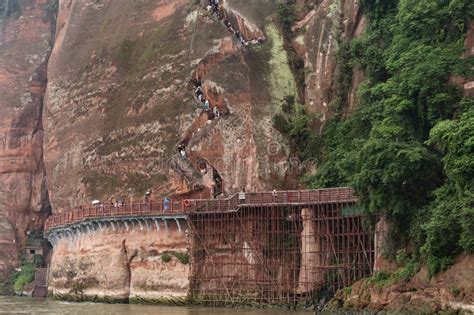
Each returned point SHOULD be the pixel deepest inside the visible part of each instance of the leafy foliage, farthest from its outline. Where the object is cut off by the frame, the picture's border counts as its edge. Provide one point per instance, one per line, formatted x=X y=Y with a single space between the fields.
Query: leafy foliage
x=286 y=15
x=296 y=122
x=165 y=257
x=408 y=147
x=183 y=258
x=23 y=277
x=451 y=225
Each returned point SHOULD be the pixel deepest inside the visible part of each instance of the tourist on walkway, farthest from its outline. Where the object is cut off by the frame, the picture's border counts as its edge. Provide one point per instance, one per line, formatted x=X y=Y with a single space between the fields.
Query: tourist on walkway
x=199 y=93
x=166 y=204
x=242 y=196
x=148 y=196
x=274 y=194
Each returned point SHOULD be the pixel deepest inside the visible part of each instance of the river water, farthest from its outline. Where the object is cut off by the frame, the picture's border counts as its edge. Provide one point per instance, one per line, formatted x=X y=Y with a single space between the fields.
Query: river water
x=20 y=305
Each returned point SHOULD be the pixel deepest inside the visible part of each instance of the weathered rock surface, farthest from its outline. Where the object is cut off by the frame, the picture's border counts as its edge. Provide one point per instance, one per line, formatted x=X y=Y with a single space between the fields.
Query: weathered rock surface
x=8 y=248
x=119 y=101
x=452 y=290
x=322 y=28
x=24 y=50
x=120 y=264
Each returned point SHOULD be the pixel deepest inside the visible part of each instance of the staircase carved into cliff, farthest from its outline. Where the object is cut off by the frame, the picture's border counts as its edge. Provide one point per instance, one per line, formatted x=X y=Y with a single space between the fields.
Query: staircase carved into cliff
x=203 y=126
x=41 y=283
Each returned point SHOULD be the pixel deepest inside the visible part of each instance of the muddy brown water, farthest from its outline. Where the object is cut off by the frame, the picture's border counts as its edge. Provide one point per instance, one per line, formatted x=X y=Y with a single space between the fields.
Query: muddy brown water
x=20 y=305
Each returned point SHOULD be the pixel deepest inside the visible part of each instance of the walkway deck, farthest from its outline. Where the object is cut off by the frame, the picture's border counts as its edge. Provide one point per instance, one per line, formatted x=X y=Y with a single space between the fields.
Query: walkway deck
x=294 y=197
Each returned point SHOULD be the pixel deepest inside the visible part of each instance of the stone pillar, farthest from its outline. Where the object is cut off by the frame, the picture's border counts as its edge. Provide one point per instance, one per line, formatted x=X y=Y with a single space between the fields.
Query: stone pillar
x=381 y=234
x=310 y=275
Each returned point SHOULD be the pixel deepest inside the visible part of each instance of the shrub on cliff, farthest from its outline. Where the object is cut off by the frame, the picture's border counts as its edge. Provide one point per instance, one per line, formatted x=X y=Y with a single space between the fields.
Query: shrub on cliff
x=23 y=277
x=183 y=258
x=407 y=148
x=286 y=16
x=165 y=257
x=296 y=122
x=450 y=227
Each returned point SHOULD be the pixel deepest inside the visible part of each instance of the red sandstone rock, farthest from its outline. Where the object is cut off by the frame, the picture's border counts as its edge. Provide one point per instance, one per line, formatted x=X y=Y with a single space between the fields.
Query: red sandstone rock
x=120 y=264
x=450 y=290
x=24 y=51
x=316 y=43
x=118 y=102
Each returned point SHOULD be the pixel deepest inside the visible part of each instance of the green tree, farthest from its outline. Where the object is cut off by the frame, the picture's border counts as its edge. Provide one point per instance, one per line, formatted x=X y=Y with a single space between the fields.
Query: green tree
x=451 y=223
x=407 y=147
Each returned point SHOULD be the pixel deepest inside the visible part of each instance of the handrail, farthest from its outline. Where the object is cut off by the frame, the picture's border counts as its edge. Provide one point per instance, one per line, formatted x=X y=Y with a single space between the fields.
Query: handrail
x=201 y=205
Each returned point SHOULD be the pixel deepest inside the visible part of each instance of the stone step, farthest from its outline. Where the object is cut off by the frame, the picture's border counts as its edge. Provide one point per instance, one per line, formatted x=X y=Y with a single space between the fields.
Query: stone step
x=40 y=291
x=41 y=277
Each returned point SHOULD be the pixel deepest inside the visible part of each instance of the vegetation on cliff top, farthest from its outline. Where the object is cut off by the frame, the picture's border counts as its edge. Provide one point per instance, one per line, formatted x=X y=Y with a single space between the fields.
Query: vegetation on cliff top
x=408 y=147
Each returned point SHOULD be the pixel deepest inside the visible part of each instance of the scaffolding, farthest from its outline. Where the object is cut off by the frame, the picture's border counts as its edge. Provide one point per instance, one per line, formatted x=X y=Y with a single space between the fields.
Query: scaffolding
x=278 y=247
x=277 y=254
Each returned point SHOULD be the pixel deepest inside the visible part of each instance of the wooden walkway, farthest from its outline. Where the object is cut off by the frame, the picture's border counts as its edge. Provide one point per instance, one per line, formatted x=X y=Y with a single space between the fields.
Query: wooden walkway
x=188 y=206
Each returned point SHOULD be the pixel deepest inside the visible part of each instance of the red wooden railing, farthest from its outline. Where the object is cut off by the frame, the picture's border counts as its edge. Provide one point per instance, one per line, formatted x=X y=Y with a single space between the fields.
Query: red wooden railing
x=343 y=194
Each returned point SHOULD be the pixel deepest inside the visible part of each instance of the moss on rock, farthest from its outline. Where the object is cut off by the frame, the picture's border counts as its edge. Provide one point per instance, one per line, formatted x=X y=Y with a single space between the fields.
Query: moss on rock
x=281 y=77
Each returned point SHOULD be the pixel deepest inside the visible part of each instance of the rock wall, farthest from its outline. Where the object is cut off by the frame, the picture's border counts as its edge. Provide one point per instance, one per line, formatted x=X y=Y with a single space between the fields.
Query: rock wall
x=322 y=28
x=119 y=102
x=449 y=292
x=26 y=34
x=113 y=264
x=8 y=248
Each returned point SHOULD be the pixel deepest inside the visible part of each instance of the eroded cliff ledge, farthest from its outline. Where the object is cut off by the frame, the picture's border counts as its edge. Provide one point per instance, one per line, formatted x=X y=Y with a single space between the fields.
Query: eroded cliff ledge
x=120 y=265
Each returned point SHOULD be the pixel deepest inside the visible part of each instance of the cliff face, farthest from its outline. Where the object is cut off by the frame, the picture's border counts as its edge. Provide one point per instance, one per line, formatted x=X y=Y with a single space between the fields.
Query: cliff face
x=119 y=263
x=119 y=98
x=119 y=101
x=26 y=33
x=449 y=291
x=319 y=34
